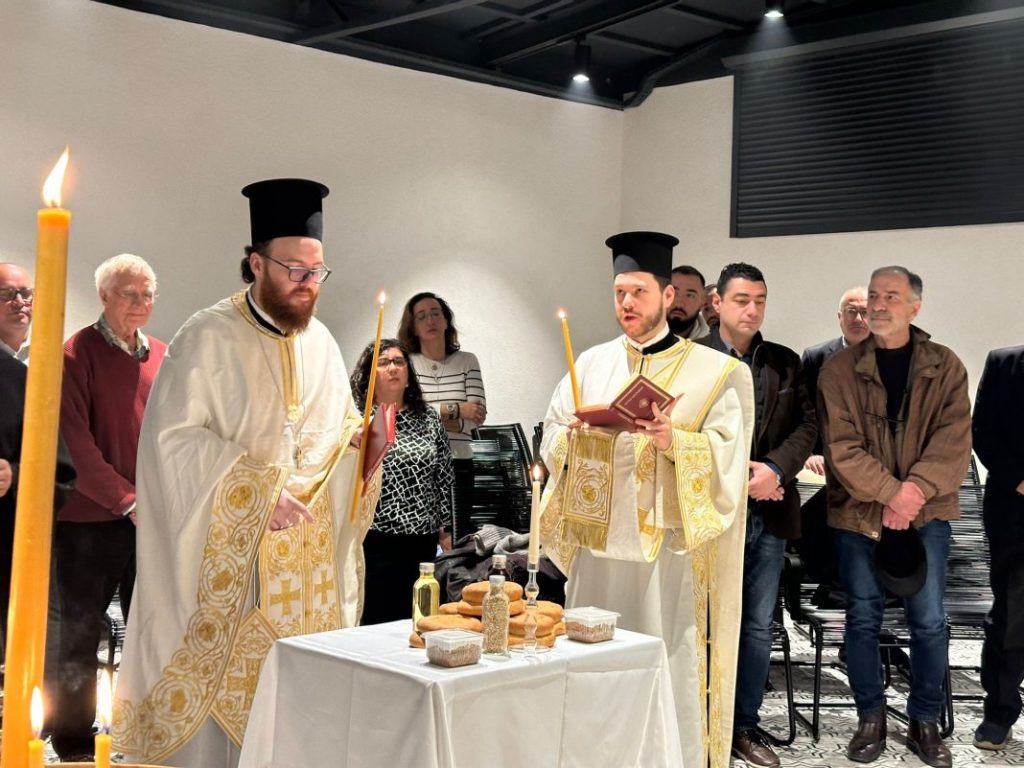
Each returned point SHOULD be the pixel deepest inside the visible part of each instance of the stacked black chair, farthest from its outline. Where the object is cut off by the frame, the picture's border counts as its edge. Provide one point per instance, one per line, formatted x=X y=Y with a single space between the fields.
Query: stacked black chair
x=501 y=486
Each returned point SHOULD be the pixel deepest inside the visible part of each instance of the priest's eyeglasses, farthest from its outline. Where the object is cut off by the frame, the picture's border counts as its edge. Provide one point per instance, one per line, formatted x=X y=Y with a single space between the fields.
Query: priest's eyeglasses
x=9 y=294
x=302 y=274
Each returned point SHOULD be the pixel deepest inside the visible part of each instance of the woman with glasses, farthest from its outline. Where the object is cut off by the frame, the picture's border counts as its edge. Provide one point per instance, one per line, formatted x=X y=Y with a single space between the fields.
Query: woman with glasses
x=415 y=506
x=450 y=378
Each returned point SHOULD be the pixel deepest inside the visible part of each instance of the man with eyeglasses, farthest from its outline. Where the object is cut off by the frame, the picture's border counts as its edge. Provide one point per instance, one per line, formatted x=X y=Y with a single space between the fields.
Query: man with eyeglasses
x=896 y=426
x=16 y=296
x=244 y=489
x=815 y=544
x=109 y=369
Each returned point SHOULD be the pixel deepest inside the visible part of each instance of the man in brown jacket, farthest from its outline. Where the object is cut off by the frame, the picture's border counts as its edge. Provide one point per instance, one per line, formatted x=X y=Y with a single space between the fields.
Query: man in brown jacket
x=896 y=424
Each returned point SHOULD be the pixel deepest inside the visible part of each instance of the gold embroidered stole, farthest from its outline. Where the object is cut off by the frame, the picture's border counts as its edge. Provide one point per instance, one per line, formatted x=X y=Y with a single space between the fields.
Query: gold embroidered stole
x=684 y=510
x=298 y=594
x=179 y=702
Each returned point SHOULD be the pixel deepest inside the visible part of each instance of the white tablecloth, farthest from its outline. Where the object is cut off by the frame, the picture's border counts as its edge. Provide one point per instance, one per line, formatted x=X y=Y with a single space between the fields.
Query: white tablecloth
x=361 y=698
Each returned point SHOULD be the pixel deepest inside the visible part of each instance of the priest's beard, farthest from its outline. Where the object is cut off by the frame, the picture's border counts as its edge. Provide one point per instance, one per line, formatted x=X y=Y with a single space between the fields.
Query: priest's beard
x=681 y=325
x=289 y=313
x=647 y=324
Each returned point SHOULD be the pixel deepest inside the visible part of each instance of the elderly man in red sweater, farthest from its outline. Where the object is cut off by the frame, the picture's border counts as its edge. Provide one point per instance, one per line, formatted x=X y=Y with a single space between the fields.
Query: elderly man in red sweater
x=109 y=368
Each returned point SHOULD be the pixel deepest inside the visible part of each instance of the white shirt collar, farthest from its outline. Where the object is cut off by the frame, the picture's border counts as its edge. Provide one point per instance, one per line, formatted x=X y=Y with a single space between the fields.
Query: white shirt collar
x=20 y=354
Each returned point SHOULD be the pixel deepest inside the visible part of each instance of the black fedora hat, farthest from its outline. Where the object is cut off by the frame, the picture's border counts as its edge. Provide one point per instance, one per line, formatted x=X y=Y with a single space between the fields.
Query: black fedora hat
x=900 y=561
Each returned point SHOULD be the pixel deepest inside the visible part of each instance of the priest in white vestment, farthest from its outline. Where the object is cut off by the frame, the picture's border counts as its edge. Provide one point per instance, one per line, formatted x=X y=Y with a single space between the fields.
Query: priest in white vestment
x=651 y=523
x=244 y=487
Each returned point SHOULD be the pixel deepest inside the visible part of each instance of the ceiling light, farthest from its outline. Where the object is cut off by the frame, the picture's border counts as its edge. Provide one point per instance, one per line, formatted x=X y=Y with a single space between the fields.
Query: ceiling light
x=773 y=10
x=581 y=66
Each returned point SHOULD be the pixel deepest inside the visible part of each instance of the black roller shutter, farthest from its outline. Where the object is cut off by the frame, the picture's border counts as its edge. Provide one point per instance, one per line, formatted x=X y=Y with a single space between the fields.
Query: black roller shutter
x=920 y=132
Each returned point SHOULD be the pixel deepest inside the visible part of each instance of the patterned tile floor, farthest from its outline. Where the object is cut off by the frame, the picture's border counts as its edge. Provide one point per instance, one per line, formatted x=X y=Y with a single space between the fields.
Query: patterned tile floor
x=839 y=723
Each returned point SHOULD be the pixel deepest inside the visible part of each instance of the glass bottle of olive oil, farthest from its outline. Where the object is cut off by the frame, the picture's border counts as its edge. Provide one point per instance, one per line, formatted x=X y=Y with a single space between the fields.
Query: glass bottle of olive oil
x=426 y=594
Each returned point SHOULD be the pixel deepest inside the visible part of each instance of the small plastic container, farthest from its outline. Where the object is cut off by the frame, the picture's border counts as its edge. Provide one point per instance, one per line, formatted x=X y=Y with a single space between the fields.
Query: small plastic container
x=590 y=624
x=453 y=647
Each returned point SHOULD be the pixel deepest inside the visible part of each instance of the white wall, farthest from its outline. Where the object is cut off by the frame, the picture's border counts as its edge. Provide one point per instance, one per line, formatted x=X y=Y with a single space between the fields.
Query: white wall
x=499 y=201
x=677 y=176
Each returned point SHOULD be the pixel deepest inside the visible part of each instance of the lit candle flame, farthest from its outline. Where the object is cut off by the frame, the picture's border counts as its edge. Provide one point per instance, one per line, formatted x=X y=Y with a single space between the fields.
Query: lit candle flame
x=103 y=697
x=537 y=474
x=51 y=189
x=36 y=712
x=561 y=314
x=381 y=297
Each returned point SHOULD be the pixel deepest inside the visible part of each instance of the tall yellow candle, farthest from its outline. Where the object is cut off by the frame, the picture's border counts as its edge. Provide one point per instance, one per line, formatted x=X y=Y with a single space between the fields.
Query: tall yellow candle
x=35 y=746
x=533 y=553
x=570 y=360
x=102 y=741
x=357 y=485
x=30 y=569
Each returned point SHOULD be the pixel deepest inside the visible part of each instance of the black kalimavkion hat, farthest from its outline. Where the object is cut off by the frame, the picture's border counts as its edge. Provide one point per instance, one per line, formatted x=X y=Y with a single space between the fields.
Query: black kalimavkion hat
x=285 y=208
x=642 y=252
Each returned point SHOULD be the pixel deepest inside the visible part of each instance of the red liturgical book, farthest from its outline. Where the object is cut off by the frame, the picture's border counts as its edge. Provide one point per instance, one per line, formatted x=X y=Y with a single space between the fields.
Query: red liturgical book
x=379 y=441
x=636 y=401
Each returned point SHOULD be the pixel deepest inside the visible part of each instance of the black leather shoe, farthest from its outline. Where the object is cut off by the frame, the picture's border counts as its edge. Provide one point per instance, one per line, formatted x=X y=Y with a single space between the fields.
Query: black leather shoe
x=750 y=747
x=869 y=740
x=924 y=740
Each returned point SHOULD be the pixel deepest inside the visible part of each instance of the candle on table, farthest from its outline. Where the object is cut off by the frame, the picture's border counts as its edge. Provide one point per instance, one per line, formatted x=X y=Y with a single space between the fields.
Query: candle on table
x=533 y=553
x=35 y=746
x=102 y=743
x=357 y=486
x=30 y=568
x=570 y=360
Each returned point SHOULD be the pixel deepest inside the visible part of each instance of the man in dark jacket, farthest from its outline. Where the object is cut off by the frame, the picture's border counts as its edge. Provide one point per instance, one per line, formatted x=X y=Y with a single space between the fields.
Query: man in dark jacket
x=896 y=420
x=13 y=374
x=816 y=550
x=999 y=443
x=784 y=435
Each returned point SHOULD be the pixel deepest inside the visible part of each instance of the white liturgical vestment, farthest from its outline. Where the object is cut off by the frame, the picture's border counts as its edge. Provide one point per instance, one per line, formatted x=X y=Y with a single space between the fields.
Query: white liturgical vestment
x=658 y=536
x=237 y=413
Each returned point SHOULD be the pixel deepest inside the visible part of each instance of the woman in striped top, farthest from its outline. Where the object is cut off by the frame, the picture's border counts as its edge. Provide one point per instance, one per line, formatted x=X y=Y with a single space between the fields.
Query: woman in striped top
x=450 y=379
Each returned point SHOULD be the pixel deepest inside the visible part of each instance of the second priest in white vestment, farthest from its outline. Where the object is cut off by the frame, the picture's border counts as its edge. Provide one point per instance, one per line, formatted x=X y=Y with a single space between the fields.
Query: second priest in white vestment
x=651 y=523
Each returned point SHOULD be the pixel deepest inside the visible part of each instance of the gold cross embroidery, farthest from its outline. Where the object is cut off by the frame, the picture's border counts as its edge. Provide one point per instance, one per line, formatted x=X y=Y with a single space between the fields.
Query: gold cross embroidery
x=324 y=586
x=246 y=683
x=286 y=596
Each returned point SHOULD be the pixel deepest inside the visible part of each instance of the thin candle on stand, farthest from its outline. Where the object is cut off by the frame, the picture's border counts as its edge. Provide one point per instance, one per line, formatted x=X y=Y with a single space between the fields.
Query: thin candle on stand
x=533 y=553
x=30 y=569
x=102 y=743
x=35 y=746
x=570 y=361
x=357 y=485
x=532 y=589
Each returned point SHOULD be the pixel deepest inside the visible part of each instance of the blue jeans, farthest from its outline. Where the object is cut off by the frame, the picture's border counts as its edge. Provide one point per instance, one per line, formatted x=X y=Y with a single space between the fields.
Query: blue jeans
x=762 y=566
x=926 y=618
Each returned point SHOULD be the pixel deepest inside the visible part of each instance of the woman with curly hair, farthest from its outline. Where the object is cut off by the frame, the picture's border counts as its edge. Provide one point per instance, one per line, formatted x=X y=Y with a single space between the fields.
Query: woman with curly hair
x=415 y=507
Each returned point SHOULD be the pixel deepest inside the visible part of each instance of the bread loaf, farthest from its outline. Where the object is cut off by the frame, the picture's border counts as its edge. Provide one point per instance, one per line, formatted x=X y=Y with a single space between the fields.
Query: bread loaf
x=445 y=621
x=475 y=593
